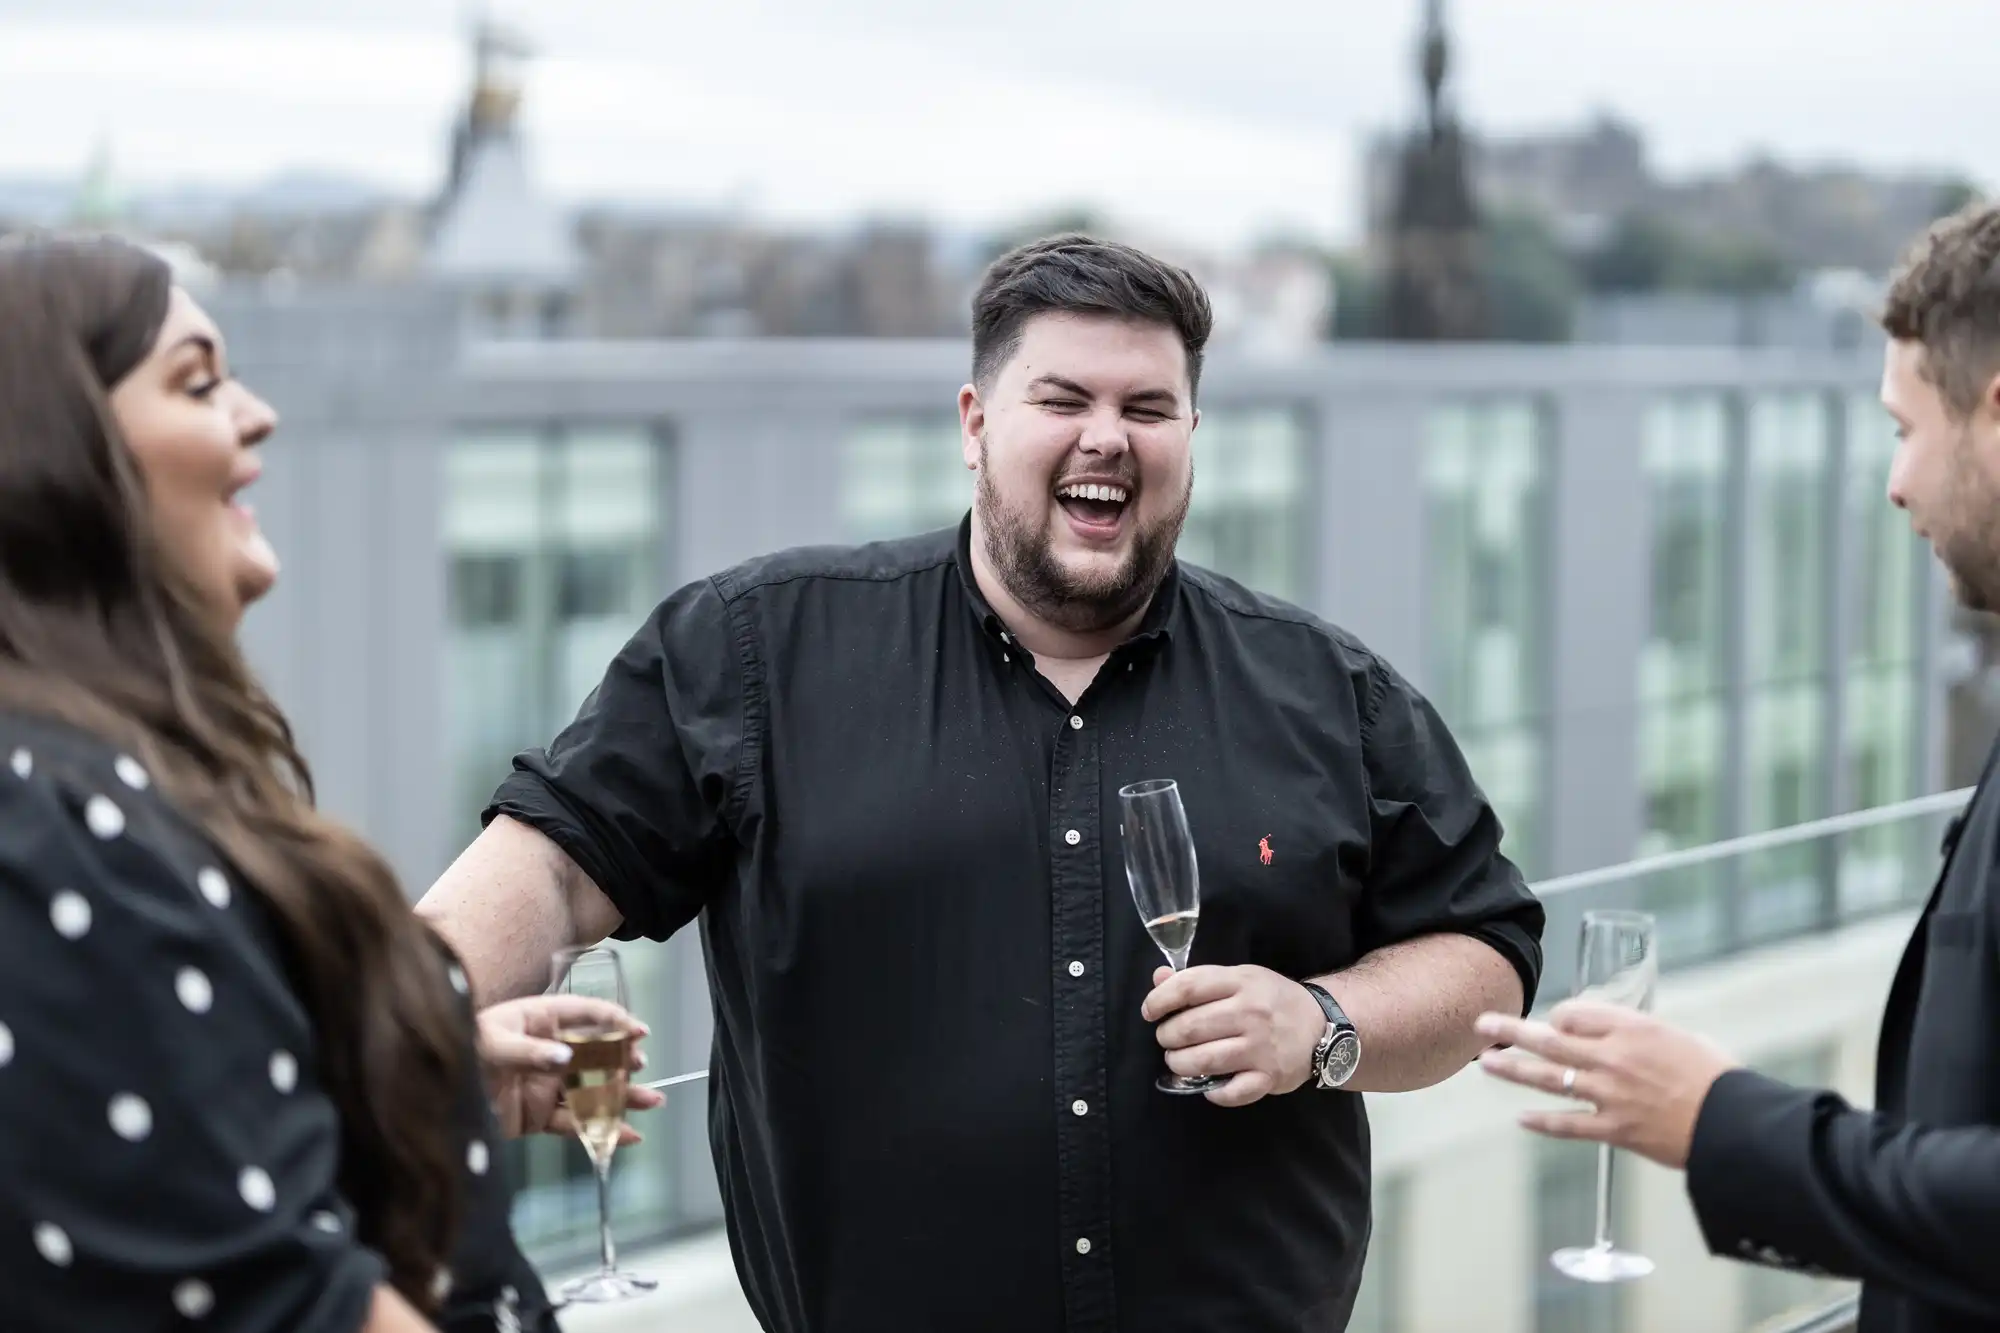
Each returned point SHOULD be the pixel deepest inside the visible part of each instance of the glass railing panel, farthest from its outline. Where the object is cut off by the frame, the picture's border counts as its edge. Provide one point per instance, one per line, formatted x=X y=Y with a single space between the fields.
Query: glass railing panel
x=1467 y=1205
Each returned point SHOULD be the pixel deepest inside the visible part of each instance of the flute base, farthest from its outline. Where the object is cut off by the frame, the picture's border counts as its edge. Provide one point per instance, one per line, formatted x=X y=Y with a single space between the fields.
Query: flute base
x=604 y=1285
x=1600 y=1263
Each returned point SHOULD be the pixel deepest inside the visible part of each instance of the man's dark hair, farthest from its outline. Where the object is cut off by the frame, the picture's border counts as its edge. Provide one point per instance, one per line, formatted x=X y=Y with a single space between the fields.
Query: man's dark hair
x=1946 y=296
x=1080 y=275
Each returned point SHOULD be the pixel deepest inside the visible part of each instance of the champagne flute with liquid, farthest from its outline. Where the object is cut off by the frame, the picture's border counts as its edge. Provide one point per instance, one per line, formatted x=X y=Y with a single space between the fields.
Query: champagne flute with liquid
x=1166 y=885
x=1617 y=963
x=594 y=1087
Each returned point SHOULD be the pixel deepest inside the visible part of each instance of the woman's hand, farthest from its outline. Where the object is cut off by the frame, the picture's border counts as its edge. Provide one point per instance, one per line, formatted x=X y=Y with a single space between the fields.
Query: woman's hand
x=525 y=1066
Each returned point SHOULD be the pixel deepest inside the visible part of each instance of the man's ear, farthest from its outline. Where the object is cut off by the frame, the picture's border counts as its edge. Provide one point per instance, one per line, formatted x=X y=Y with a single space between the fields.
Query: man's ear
x=971 y=425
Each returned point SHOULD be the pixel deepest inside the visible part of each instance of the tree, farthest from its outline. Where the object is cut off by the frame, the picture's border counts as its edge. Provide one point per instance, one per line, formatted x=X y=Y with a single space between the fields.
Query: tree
x=1638 y=256
x=1532 y=284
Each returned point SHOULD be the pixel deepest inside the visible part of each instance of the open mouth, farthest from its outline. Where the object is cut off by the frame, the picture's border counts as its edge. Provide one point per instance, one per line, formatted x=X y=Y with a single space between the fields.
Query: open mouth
x=1094 y=506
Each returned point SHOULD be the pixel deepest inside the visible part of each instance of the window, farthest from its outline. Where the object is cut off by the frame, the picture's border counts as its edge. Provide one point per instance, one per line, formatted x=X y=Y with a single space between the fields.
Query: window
x=1250 y=518
x=1683 y=679
x=1786 y=659
x=1486 y=589
x=903 y=475
x=1882 y=712
x=553 y=558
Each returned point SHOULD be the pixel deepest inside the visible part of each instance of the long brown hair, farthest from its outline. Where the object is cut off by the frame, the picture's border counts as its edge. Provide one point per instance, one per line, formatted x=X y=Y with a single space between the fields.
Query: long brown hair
x=99 y=628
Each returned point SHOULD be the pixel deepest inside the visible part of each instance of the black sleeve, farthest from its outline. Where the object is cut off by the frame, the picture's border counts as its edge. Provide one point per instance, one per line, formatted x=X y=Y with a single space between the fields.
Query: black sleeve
x=168 y=1158
x=1434 y=864
x=1798 y=1179
x=642 y=787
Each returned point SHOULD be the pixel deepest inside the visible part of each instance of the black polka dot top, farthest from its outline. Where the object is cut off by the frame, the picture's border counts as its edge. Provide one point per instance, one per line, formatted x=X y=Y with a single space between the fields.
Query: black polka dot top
x=168 y=1159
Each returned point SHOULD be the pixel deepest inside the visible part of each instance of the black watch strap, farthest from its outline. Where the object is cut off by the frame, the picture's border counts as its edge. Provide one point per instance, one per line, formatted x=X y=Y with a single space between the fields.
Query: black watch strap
x=1328 y=1005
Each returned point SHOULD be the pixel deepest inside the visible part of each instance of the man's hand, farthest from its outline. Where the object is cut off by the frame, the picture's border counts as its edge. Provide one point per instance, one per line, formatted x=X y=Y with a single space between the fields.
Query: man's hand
x=1645 y=1080
x=1247 y=1022
x=524 y=1066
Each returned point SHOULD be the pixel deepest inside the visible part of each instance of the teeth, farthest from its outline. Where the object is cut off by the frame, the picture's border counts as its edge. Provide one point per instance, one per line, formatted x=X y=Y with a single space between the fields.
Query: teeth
x=1114 y=494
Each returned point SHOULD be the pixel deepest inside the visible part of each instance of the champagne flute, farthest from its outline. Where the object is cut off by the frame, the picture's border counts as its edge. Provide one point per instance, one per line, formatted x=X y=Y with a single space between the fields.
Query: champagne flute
x=594 y=1087
x=1166 y=885
x=1616 y=964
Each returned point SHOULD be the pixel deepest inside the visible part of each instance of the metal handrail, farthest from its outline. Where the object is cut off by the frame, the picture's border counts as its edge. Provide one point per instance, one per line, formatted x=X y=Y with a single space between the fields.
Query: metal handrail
x=1840 y=1317
x=1756 y=842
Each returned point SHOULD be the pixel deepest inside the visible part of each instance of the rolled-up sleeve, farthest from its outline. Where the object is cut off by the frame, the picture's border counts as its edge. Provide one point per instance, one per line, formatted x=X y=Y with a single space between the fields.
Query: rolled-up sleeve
x=1435 y=865
x=642 y=788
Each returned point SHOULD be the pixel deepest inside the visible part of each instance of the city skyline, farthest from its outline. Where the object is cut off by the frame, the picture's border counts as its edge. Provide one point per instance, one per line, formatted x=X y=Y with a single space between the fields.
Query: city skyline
x=783 y=113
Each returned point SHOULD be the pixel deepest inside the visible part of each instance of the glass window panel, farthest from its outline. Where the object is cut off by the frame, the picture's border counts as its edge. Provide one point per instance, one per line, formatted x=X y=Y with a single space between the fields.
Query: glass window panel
x=490 y=485
x=1250 y=516
x=552 y=558
x=1486 y=591
x=1787 y=592
x=1787 y=588
x=1885 y=556
x=1686 y=465
x=605 y=487
x=903 y=475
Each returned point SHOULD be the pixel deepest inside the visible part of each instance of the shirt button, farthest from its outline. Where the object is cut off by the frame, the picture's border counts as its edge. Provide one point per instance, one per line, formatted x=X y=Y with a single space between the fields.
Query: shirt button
x=1083 y=1245
x=1076 y=969
x=1075 y=723
x=1004 y=638
x=1080 y=1106
x=1072 y=837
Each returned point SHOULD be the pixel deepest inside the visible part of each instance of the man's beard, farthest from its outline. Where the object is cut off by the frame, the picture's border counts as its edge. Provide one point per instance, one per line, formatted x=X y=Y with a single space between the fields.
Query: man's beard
x=1968 y=545
x=1022 y=551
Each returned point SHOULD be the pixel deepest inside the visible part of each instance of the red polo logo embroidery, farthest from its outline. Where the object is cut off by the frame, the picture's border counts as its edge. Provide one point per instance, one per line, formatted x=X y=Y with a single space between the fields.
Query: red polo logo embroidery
x=1264 y=849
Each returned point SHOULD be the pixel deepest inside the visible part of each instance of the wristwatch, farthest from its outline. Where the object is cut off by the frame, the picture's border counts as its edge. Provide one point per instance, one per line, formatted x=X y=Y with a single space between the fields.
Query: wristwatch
x=1339 y=1051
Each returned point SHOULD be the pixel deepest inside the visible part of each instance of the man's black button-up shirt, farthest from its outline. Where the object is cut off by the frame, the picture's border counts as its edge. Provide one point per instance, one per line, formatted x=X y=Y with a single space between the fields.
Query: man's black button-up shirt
x=932 y=1100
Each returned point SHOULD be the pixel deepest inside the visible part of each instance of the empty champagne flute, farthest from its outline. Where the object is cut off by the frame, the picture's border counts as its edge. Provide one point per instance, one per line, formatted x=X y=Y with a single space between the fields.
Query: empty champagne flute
x=594 y=1087
x=1166 y=885
x=1616 y=964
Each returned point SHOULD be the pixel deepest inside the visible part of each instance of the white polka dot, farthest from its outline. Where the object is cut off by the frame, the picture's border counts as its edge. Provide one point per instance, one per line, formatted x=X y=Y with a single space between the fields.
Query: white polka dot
x=131 y=772
x=327 y=1222
x=131 y=1118
x=214 y=886
x=441 y=1285
x=193 y=988
x=458 y=982
x=193 y=1298
x=6 y=1045
x=254 y=1184
x=69 y=912
x=22 y=763
x=478 y=1157
x=53 y=1242
x=105 y=819
x=284 y=1071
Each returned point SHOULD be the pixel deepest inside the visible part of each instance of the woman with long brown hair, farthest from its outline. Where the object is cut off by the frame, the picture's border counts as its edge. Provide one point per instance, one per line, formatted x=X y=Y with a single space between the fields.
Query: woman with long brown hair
x=238 y=1080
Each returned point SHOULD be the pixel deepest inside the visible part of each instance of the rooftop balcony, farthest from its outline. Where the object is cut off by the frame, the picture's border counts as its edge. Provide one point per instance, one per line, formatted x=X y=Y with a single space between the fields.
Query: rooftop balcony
x=1780 y=944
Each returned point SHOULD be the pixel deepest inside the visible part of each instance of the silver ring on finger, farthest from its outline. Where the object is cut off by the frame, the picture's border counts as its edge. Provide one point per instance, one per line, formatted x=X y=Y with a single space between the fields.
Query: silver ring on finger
x=1569 y=1081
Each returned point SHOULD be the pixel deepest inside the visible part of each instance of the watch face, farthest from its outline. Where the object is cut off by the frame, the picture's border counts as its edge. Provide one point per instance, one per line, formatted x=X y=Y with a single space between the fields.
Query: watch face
x=1341 y=1060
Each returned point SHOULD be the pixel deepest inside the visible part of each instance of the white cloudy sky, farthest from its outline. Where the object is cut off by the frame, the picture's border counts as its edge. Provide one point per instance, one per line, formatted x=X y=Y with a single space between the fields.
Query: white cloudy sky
x=1214 y=119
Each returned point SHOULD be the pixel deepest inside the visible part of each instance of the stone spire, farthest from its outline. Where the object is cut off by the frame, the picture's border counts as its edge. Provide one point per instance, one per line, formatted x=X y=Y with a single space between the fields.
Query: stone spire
x=492 y=230
x=1435 y=287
